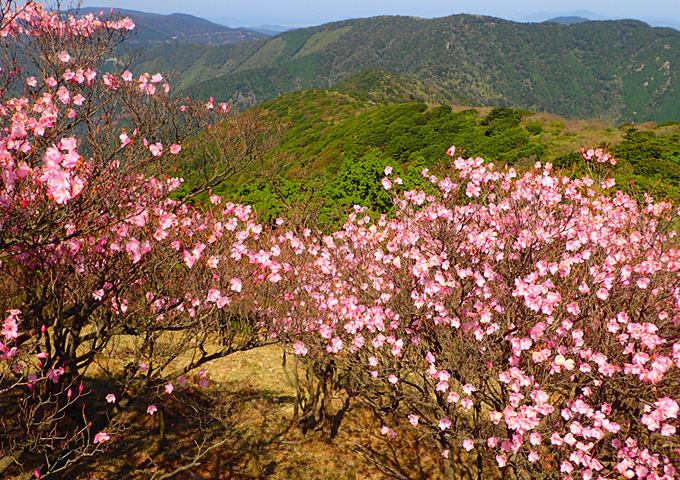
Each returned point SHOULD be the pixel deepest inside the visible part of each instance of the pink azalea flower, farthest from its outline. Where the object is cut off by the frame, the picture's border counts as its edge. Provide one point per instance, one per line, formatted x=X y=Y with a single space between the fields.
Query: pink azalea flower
x=23 y=170
x=189 y=259
x=52 y=157
x=573 y=308
x=90 y=75
x=235 y=284
x=54 y=374
x=111 y=398
x=300 y=349
x=133 y=247
x=535 y=439
x=101 y=437
x=444 y=423
x=156 y=149
x=124 y=140
x=151 y=409
x=667 y=408
x=667 y=430
x=468 y=389
x=65 y=57
x=468 y=444
x=566 y=467
x=602 y=293
x=63 y=95
x=71 y=160
x=222 y=301
x=169 y=388
x=213 y=295
x=561 y=361
x=11 y=326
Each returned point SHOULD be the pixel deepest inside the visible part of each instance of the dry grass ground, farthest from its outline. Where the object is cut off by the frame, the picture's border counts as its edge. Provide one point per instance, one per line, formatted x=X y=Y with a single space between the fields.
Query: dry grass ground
x=247 y=409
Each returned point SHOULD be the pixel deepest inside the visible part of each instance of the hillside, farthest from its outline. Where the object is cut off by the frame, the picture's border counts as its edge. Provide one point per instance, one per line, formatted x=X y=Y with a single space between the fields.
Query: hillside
x=340 y=139
x=155 y=29
x=621 y=71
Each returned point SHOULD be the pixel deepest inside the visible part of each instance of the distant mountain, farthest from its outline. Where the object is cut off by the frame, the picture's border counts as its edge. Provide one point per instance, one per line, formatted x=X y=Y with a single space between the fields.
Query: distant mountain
x=539 y=17
x=662 y=22
x=623 y=71
x=155 y=29
x=567 y=20
x=269 y=30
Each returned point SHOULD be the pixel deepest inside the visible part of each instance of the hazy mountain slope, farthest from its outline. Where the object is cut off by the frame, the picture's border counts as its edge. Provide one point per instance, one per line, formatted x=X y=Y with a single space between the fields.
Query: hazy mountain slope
x=567 y=20
x=155 y=29
x=618 y=70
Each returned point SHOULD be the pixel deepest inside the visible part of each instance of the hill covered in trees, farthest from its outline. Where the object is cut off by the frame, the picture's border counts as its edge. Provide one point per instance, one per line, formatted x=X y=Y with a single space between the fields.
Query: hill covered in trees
x=339 y=140
x=154 y=29
x=622 y=71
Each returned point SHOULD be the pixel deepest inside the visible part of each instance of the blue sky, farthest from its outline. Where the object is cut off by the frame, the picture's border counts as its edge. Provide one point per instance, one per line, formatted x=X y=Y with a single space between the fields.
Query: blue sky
x=298 y=13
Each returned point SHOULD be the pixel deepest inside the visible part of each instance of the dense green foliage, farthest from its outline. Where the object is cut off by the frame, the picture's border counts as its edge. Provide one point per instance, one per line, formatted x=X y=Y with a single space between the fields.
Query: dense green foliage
x=649 y=160
x=337 y=145
x=622 y=71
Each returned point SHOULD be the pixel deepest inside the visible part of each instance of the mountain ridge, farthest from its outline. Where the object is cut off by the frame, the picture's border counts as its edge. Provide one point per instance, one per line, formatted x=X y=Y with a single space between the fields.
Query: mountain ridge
x=622 y=70
x=155 y=29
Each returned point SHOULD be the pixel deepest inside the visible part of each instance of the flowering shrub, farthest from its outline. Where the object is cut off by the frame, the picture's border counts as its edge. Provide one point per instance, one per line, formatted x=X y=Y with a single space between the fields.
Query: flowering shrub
x=528 y=319
x=97 y=260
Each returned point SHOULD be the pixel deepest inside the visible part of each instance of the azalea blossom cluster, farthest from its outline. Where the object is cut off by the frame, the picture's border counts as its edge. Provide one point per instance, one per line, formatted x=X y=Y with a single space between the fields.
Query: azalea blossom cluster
x=92 y=246
x=529 y=319
x=598 y=155
x=31 y=18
